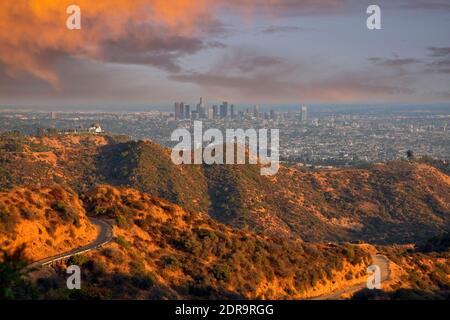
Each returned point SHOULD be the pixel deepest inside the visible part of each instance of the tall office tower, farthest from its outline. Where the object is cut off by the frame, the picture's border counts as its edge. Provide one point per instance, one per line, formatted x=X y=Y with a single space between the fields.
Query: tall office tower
x=256 y=110
x=187 y=111
x=215 y=111
x=181 y=110
x=232 y=111
x=53 y=115
x=201 y=109
x=304 y=114
x=177 y=110
x=224 y=110
x=272 y=114
x=210 y=113
x=198 y=106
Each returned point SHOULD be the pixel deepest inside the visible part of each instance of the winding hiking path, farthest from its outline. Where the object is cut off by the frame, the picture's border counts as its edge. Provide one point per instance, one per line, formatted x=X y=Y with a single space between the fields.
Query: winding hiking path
x=104 y=236
x=379 y=260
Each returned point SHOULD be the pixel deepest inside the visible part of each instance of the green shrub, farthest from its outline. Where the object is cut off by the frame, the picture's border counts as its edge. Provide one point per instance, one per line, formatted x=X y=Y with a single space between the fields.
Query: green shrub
x=121 y=220
x=170 y=262
x=60 y=207
x=27 y=214
x=206 y=233
x=221 y=272
x=144 y=282
x=8 y=220
x=122 y=242
x=67 y=214
x=78 y=260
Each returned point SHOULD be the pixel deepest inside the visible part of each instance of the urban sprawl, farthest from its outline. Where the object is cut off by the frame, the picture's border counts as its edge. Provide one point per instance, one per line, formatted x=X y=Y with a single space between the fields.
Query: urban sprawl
x=308 y=135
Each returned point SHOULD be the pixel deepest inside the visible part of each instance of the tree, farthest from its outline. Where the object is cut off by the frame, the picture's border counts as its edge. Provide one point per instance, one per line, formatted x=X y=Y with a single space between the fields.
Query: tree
x=410 y=154
x=12 y=273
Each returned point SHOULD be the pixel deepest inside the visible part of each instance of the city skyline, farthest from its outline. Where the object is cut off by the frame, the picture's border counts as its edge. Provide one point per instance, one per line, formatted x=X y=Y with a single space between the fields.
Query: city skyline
x=273 y=52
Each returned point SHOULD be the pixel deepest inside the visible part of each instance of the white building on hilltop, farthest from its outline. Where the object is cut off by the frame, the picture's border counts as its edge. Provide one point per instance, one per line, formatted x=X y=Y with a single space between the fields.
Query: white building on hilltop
x=95 y=129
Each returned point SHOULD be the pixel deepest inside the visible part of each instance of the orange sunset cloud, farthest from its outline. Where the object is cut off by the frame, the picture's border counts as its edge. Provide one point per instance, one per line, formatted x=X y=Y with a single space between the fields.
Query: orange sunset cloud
x=30 y=30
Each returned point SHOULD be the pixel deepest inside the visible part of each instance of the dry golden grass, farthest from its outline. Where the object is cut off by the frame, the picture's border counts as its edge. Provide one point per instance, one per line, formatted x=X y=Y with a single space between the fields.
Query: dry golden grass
x=32 y=220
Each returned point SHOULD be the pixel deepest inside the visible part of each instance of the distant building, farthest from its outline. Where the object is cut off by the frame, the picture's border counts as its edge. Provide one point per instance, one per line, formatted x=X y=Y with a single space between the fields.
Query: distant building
x=224 y=110
x=215 y=109
x=303 y=114
x=210 y=113
x=232 y=111
x=256 y=111
x=272 y=114
x=179 y=110
x=95 y=129
x=194 y=115
x=53 y=115
x=201 y=110
x=187 y=111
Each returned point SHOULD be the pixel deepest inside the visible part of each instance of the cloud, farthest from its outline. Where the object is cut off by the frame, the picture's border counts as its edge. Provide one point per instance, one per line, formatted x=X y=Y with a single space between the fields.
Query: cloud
x=434 y=5
x=272 y=90
x=160 y=34
x=280 y=29
x=439 y=52
x=440 y=62
x=252 y=77
x=88 y=83
x=291 y=7
x=245 y=61
x=155 y=32
x=398 y=62
x=150 y=32
x=147 y=47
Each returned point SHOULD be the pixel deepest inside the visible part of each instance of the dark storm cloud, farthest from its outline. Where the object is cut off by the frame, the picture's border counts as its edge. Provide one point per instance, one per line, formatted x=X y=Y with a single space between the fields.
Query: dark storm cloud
x=147 y=47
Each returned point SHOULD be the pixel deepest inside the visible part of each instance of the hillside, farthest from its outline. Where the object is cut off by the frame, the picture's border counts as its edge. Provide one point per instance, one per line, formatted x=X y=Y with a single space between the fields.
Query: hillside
x=419 y=272
x=397 y=202
x=47 y=220
x=215 y=231
x=162 y=251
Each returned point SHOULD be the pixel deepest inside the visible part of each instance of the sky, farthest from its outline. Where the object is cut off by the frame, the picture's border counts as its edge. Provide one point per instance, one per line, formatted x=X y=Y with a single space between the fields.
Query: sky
x=156 y=52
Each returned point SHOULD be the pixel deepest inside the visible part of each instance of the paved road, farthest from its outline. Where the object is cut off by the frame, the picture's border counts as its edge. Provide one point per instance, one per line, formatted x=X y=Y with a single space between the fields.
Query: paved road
x=378 y=260
x=104 y=236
